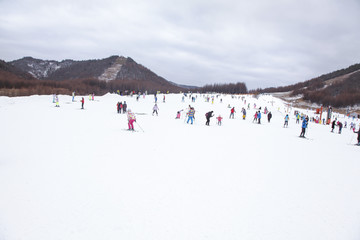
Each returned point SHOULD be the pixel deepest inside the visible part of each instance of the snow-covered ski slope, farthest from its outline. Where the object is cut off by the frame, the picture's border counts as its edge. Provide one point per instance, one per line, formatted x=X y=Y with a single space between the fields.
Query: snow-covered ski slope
x=72 y=174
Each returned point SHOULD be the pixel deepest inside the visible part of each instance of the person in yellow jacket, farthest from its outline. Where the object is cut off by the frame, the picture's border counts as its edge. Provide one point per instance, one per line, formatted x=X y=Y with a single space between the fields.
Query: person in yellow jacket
x=191 y=115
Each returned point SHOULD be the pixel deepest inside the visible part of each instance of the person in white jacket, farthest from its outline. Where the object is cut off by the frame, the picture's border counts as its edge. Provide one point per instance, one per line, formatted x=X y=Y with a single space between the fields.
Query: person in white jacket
x=155 y=109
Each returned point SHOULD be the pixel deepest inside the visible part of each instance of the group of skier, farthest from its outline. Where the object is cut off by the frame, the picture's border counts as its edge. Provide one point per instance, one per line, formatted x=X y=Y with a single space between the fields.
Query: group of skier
x=121 y=107
x=190 y=116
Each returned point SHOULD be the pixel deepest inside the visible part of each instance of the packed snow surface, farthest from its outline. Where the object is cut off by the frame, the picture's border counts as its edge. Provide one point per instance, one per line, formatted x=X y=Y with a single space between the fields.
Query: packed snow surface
x=72 y=174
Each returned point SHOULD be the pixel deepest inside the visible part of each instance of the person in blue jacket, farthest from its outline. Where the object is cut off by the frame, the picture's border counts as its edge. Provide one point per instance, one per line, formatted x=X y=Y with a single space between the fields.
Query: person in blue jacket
x=286 y=123
x=304 y=126
x=259 y=117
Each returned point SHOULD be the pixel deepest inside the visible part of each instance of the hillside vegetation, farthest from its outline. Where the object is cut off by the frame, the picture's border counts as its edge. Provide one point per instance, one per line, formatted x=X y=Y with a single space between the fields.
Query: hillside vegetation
x=339 y=88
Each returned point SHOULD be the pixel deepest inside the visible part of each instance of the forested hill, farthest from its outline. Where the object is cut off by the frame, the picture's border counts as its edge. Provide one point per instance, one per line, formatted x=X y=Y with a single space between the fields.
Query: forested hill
x=340 y=88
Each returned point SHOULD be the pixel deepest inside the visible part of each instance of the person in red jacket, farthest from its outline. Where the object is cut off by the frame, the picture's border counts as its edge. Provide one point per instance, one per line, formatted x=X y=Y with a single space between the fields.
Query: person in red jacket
x=232 y=112
x=219 y=118
x=82 y=103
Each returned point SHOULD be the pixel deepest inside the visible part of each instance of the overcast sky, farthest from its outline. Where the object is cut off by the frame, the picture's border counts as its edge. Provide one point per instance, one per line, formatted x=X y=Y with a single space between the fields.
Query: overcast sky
x=195 y=42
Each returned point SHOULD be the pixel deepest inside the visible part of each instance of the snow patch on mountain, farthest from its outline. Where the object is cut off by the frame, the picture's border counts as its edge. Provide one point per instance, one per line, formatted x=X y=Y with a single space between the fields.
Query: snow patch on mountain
x=111 y=72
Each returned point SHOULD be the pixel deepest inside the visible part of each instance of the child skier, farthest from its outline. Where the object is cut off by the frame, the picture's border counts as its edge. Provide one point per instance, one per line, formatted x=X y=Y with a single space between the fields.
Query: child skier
x=208 y=116
x=255 y=117
x=178 y=114
x=131 y=120
x=155 y=109
x=219 y=118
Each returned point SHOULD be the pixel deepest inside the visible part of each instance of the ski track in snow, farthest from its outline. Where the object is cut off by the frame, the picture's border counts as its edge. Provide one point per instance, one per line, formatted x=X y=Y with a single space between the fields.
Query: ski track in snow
x=67 y=173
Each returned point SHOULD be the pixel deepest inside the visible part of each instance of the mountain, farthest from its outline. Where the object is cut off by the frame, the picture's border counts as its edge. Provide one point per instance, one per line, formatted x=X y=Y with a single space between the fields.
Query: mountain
x=340 y=88
x=9 y=71
x=98 y=76
x=108 y=69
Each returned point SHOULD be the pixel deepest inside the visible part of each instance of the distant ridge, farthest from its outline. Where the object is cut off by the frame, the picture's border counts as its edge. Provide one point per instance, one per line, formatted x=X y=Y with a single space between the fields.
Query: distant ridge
x=340 y=88
x=112 y=74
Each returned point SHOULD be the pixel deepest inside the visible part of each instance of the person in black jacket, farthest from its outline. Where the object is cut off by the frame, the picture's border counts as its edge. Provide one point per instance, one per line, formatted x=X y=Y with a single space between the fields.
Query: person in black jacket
x=358 y=138
x=124 y=107
x=269 y=116
x=340 y=126
x=208 y=116
x=333 y=125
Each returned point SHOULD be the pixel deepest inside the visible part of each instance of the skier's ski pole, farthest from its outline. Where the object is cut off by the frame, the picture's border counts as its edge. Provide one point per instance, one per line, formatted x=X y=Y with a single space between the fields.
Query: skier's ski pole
x=139 y=126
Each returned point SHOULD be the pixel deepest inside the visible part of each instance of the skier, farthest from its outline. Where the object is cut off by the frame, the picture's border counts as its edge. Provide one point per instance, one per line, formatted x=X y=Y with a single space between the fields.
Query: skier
x=178 y=114
x=118 y=107
x=208 y=116
x=333 y=125
x=340 y=126
x=219 y=118
x=73 y=96
x=358 y=138
x=131 y=120
x=304 y=126
x=269 y=116
x=297 y=117
x=155 y=109
x=255 y=117
x=57 y=101
x=286 y=120
x=259 y=117
x=244 y=113
x=82 y=102
x=124 y=106
x=191 y=115
x=232 y=112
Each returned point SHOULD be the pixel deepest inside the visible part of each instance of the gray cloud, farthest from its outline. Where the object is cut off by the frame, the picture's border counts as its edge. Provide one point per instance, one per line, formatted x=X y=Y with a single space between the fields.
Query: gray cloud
x=262 y=43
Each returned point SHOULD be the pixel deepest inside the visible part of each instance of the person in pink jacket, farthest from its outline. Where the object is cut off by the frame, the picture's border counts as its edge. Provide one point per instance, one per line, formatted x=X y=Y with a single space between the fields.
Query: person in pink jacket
x=131 y=120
